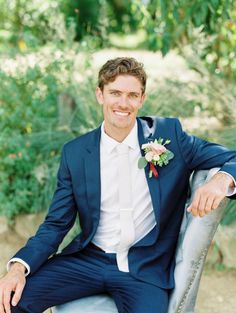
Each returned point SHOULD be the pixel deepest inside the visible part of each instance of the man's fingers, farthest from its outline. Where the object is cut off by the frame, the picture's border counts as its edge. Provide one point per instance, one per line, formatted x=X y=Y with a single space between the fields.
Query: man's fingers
x=193 y=208
x=17 y=294
x=1 y=301
x=202 y=205
x=209 y=205
x=216 y=203
x=6 y=300
x=1 y=309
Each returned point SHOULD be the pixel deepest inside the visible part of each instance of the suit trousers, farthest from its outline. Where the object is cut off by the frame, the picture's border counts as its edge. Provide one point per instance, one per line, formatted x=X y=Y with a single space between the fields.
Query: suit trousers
x=65 y=278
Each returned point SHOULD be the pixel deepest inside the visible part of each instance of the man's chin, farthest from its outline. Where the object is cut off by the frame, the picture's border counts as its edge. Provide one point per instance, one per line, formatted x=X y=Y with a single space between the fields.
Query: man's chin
x=122 y=125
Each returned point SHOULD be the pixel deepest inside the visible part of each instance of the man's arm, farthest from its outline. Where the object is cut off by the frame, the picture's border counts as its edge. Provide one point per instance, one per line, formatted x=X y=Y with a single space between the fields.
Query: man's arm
x=200 y=154
x=208 y=196
x=59 y=220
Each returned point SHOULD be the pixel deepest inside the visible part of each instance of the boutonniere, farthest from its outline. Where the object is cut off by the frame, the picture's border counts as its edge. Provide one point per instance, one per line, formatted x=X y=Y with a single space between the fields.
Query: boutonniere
x=156 y=154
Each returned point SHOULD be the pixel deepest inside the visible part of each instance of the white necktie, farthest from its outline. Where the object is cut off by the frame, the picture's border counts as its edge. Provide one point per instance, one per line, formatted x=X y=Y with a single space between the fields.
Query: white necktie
x=127 y=235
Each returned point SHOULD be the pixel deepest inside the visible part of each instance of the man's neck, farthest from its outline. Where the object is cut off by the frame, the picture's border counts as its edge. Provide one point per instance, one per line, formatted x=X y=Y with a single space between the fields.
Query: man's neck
x=117 y=133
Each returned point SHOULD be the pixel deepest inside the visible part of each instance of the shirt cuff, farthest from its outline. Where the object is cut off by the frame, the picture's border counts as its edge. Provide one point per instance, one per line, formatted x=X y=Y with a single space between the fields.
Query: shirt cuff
x=20 y=261
x=231 y=190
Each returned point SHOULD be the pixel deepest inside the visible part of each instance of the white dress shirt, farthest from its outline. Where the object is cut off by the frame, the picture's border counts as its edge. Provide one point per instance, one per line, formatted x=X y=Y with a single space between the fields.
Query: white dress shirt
x=108 y=233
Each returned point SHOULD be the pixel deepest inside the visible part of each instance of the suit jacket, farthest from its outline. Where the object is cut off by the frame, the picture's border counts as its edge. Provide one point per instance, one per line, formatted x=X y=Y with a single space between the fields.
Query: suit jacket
x=78 y=192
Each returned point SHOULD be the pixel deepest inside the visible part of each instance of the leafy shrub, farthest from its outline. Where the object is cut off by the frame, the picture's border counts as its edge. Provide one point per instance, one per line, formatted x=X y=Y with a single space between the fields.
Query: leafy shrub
x=34 y=23
x=207 y=96
x=33 y=128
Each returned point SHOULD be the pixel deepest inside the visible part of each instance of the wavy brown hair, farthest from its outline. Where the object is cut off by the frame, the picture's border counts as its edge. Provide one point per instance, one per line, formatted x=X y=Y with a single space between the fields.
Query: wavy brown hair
x=121 y=66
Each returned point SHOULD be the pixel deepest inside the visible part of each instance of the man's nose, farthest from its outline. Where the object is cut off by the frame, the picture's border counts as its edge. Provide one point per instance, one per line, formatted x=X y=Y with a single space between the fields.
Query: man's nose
x=124 y=101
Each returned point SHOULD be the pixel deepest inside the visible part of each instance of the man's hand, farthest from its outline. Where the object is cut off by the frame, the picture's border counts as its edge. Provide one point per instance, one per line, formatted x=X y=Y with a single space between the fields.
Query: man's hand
x=13 y=281
x=208 y=196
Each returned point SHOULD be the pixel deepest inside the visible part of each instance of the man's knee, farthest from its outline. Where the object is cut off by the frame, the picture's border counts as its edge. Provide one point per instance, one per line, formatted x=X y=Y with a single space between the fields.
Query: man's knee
x=27 y=305
x=27 y=309
x=17 y=309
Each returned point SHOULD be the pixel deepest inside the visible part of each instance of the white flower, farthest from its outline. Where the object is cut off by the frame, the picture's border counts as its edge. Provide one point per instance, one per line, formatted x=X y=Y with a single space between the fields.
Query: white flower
x=146 y=145
x=156 y=157
x=149 y=156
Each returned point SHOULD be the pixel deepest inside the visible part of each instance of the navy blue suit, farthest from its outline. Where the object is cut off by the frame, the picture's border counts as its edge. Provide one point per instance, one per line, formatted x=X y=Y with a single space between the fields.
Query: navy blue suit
x=78 y=192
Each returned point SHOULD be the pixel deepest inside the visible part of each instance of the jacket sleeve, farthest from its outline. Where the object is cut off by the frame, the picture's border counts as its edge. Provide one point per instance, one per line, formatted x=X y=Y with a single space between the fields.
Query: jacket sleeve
x=199 y=154
x=60 y=218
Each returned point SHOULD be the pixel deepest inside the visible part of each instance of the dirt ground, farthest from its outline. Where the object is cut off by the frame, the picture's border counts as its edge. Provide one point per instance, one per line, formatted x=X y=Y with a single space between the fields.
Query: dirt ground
x=217 y=292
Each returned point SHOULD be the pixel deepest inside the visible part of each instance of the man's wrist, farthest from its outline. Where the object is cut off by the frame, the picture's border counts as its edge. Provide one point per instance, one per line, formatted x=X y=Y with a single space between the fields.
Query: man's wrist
x=226 y=181
x=18 y=267
x=18 y=260
x=227 y=178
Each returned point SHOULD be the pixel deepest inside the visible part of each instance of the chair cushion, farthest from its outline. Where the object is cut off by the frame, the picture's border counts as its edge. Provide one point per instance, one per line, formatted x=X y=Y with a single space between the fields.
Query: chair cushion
x=99 y=304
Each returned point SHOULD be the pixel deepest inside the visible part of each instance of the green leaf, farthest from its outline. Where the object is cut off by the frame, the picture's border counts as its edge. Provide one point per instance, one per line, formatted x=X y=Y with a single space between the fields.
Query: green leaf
x=142 y=162
x=160 y=141
x=170 y=155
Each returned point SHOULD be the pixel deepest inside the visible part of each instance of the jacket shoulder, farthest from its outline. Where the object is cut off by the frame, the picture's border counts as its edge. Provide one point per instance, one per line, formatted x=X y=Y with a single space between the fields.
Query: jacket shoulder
x=158 y=121
x=81 y=141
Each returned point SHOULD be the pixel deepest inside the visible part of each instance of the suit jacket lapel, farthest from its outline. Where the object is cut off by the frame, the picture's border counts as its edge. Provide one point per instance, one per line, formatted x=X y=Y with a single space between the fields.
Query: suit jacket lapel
x=146 y=132
x=92 y=174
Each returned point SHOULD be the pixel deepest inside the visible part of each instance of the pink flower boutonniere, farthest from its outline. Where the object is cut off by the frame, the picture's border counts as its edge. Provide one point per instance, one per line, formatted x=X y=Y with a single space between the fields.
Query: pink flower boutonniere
x=156 y=154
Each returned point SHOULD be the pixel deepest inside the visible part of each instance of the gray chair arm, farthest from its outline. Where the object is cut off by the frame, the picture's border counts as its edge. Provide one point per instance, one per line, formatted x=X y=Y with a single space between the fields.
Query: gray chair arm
x=195 y=238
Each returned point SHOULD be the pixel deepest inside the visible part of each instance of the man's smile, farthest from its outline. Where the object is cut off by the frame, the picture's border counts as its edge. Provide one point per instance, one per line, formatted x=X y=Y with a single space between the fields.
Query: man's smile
x=120 y=113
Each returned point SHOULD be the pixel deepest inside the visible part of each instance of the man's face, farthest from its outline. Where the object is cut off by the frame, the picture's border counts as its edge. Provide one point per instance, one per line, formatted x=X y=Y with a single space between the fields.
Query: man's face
x=121 y=100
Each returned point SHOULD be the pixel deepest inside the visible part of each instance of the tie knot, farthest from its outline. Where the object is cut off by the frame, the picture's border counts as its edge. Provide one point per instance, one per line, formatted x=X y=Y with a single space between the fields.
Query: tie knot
x=122 y=148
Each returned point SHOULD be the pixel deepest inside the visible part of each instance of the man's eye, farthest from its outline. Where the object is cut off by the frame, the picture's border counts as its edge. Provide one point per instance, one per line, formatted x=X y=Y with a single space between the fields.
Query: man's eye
x=115 y=93
x=133 y=96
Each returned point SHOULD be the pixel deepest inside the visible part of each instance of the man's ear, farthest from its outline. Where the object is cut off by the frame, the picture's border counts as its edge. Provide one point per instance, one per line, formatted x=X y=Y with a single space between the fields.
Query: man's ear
x=143 y=97
x=99 y=95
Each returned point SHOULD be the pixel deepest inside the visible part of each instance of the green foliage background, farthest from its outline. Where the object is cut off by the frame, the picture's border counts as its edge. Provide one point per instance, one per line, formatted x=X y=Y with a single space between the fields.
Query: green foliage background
x=47 y=78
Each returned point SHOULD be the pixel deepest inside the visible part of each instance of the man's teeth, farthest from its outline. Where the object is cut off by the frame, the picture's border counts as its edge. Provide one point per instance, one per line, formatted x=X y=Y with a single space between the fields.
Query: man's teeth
x=121 y=113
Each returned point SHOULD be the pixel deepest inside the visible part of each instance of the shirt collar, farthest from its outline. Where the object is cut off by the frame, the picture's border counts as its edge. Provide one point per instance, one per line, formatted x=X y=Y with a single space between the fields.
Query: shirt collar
x=110 y=144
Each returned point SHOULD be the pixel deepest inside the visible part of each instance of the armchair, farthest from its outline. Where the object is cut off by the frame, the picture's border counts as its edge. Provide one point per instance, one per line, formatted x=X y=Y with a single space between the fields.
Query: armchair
x=194 y=240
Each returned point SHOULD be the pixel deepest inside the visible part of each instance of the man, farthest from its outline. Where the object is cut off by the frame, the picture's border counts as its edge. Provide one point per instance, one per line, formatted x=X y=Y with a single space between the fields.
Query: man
x=129 y=220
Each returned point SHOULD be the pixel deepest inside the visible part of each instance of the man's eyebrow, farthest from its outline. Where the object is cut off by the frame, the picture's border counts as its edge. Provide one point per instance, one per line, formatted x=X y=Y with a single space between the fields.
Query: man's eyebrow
x=119 y=91
x=116 y=90
x=134 y=92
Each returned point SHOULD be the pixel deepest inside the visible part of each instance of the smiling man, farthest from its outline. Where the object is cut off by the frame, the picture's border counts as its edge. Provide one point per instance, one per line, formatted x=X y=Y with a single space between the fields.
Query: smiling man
x=130 y=219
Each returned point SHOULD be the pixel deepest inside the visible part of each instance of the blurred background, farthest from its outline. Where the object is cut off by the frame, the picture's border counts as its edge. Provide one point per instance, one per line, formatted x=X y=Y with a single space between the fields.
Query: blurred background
x=50 y=52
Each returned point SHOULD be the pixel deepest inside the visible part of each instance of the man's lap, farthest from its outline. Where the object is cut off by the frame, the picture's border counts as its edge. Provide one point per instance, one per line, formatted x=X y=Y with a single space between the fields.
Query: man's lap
x=64 y=278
